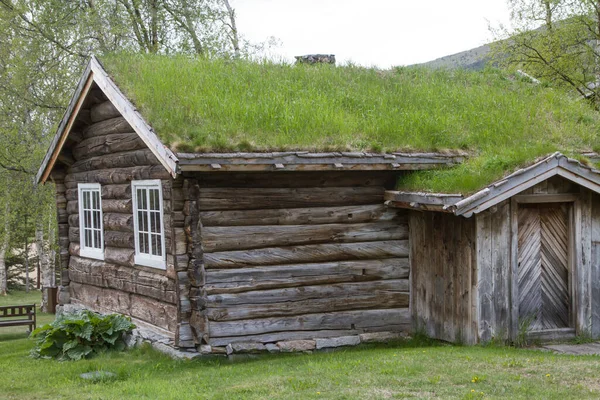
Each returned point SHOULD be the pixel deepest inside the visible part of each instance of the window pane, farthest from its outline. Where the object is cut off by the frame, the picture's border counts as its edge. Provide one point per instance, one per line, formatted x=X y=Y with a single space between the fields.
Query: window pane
x=96 y=220
x=154 y=200
x=97 y=239
x=156 y=245
x=141 y=199
x=88 y=237
x=86 y=199
x=96 y=198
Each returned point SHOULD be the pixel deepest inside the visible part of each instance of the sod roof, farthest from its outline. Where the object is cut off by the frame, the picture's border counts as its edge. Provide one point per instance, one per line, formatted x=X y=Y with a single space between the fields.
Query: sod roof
x=221 y=106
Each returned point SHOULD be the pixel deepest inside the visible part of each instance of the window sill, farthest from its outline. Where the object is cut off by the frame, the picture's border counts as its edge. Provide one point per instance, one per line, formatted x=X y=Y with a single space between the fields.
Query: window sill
x=89 y=253
x=153 y=262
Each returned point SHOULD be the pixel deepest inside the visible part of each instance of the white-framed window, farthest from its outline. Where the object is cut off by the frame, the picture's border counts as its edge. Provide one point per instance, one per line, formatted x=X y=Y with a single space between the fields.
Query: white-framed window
x=148 y=223
x=91 y=234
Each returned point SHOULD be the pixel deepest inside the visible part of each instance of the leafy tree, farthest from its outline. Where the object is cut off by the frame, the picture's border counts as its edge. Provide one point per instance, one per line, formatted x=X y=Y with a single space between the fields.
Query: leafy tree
x=45 y=45
x=554 y=40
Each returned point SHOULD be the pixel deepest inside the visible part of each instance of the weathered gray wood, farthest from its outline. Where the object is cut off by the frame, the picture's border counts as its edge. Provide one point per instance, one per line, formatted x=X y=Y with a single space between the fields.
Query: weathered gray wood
x=366 y=320
x=249 y=237
x=104 y=145
x=291 y=275
x=117 y=175
x=118 y=222
x=119 y=239
x=370 y=299
x=123 y=159
x=119 y=256
x=103 y=111
x=263 y=198
x=595 y=267
x=301 y=216
x=297 y=179
x=103 y=274
x=582 y=278
x=284 y=336
x=307 y=293
x=485 y=315
x=149 y=310
x=307 y=254
x=108 y=206
x=107 y=127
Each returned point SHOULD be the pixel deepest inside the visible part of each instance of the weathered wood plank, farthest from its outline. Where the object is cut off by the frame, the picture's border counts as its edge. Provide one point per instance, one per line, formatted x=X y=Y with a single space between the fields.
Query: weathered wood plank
x=107 y=127
x=123 y=159
x=119 y=239
x=365 y=320
x=248 y=237
x=119 y=256
x=370 y=299
x=291 y=179
x=118 y=222
x=103 y=274
x=302 y=216
x=103 y=111
x=292 y=275
x=262 y=198
x=307 y=292
x=288 y=335
x=104 y=145
x=307 y=254
x=117 y=175
x=152 y=311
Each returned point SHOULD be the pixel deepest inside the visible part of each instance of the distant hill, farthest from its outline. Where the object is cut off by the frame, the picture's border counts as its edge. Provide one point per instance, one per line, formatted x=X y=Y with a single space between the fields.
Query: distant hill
x=474 y=59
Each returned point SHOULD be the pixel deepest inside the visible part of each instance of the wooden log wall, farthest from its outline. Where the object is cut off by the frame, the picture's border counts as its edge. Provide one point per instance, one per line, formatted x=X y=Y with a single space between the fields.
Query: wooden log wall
x=595 y=266
x=285 y=256
x=444 y=276
x=109 y=152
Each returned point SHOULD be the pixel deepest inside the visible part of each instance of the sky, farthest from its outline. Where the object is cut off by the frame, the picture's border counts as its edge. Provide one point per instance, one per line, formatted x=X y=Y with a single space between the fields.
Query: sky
x=380 y=33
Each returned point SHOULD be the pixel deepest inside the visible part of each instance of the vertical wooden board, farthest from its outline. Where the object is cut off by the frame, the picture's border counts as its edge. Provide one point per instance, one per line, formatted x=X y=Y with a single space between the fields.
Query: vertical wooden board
x=514 y=275
x=484 y=280
x=584 y=267
x=449 y=267
x=595 y=267
x=501 y=271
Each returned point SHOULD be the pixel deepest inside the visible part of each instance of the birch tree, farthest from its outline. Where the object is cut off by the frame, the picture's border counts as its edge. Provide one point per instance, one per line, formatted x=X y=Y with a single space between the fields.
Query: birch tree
x=554 y=40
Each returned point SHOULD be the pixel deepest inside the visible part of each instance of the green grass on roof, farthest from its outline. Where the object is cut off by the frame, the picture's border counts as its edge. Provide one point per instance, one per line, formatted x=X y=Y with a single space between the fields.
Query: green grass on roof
x=218 y=105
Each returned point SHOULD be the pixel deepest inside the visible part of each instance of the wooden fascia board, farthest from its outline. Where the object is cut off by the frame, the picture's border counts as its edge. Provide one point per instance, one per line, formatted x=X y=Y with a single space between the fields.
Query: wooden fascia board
x=133 y=117
x=494 y=198
x=225 y=167
x=64 y=128
x=575 y=173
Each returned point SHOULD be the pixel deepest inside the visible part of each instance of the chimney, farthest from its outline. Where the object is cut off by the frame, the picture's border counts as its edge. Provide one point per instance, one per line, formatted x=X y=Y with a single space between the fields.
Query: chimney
x=316 y=59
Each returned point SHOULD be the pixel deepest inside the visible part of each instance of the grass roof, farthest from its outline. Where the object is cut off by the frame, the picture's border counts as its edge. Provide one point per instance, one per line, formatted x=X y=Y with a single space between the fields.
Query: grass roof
x=218 y=105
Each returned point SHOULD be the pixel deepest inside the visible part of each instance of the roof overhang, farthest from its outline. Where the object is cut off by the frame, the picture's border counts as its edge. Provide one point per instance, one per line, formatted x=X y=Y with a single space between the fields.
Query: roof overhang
x=307 y=161
x=556 y=164
x=95 y=73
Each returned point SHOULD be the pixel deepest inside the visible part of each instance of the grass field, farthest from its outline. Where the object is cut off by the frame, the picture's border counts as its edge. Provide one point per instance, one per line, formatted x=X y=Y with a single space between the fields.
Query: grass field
x=411 y=369
x=218 y=105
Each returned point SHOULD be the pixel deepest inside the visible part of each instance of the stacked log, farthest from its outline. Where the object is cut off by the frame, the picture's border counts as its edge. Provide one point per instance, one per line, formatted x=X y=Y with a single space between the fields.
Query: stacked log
x=283 y=262
x=109 y=152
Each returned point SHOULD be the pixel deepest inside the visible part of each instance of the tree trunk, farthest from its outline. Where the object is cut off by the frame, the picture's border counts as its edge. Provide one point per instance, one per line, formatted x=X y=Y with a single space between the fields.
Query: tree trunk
x=3 y=250
x=235 y=41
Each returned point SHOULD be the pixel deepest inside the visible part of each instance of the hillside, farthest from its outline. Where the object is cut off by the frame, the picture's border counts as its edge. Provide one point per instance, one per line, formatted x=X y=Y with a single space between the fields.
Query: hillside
x=201 y=105
x=474 y=59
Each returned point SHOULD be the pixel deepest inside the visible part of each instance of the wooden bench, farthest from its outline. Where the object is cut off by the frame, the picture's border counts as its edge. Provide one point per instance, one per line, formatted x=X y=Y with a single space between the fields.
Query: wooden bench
x=18 y=316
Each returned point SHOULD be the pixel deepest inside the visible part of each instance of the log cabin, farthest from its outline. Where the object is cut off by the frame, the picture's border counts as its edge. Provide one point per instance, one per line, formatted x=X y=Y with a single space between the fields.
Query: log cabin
x=220 y=252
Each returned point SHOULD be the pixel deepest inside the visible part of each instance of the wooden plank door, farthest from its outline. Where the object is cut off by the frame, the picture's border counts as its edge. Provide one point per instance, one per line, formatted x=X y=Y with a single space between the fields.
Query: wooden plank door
x=543 y=269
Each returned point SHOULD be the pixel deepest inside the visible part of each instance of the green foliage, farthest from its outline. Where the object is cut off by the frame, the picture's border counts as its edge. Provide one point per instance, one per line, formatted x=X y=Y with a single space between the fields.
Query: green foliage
x=81 y=335
x=503 y=121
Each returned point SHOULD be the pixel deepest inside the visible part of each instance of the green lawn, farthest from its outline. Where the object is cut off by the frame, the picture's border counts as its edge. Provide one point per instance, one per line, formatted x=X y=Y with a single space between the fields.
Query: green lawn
x=417 y=368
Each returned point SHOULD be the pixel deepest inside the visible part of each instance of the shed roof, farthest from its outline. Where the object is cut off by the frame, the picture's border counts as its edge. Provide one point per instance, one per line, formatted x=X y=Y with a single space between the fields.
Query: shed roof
x=511 y=185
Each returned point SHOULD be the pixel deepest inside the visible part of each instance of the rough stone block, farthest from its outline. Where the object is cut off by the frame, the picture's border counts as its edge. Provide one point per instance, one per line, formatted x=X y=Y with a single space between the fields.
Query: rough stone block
x=296 y=345
x=337 y=342
x=374 y=337
x=249 y=347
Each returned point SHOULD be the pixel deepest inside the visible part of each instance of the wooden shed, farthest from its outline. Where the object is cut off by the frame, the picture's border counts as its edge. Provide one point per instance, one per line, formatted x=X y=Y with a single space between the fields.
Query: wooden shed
x=297 y=250
x=518 y=259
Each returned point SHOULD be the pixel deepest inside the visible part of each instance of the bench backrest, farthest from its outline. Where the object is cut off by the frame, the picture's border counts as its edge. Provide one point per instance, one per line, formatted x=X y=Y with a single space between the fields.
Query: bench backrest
x=17 y=311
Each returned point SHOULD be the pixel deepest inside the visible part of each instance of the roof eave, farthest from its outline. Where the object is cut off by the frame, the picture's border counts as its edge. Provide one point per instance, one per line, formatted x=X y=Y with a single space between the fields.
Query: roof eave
x=95 y=73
